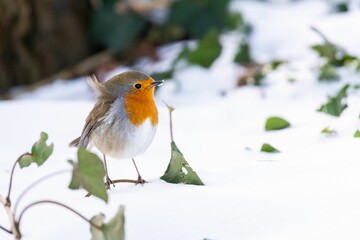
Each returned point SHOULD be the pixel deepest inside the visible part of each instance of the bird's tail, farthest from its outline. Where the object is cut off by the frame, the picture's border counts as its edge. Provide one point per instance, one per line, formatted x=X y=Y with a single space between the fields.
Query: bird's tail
x=95 y=84
x=75 y=143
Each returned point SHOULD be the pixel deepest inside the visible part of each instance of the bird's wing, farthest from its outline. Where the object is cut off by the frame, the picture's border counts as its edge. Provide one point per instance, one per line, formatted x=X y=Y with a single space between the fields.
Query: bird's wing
x=95 y=117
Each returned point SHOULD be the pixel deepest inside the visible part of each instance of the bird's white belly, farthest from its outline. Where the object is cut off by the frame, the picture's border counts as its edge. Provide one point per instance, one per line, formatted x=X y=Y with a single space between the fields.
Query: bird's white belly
x=123 y=140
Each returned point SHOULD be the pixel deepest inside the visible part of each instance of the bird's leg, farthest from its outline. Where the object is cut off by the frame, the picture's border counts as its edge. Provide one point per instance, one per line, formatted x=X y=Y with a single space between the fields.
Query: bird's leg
x=108 y=180
x=140 y=179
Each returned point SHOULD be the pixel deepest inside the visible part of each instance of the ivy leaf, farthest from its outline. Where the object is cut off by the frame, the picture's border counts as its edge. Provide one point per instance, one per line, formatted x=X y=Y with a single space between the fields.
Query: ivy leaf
x=40 y=152
x=274 y=64
x=328 y=73
x=113 y=230
x=328 y=51
x=328 y=131
x=352 y=61
x=276 y=123
x=208 y=49
x=243 y=56
x=179 y=170
x=357 y=134
x=235 y=20
x=335 y=56
x=89 y=174
x=335 y=105
x=268 y=148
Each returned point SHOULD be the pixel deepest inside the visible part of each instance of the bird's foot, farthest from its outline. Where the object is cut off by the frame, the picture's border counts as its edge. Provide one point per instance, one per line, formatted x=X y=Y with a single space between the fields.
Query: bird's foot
x=109 y=182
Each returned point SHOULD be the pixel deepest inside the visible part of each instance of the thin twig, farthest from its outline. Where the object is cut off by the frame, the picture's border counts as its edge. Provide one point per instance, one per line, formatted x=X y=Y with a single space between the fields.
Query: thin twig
x=124 y=181
x=326 y=40
x=117 y=181
x=61 y=205
x=8 y=202
x=171 y=109
x=171 y=126
x=315 y=29
x=35 y=184
x=6 y=230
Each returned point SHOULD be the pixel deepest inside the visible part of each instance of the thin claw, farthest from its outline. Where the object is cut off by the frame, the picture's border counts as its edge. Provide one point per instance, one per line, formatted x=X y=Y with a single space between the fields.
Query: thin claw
x=140 y=179
x=109 y=182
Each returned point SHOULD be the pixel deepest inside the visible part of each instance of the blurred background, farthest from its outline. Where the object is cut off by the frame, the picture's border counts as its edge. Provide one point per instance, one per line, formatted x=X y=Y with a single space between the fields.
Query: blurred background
x=49 y=39
x=41 y=41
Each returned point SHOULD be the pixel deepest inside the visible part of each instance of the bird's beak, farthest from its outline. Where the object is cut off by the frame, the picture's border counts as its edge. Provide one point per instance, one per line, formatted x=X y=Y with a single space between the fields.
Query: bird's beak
x=157 y=83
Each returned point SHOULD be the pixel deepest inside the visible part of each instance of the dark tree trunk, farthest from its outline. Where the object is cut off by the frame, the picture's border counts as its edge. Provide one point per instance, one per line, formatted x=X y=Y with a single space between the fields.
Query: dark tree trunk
x=40 y=37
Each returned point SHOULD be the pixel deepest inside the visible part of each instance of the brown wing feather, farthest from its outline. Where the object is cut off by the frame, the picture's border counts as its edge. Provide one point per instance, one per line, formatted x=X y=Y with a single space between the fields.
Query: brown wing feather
x=94 y=118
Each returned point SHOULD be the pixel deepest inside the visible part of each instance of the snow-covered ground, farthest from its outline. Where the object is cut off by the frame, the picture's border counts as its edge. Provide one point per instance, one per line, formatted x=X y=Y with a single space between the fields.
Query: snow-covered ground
x=311 y=190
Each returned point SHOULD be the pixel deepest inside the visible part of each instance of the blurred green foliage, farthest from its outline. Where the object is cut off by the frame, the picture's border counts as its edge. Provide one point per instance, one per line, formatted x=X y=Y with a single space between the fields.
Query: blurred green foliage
x=114 y=31
x=58 y=34
x=243 y=56
x=334 y=57
x=329 y=132
x=186 y=19
x=198 y=17
x=206 y=52
x=276 y=123
x=336 y=104
x=341 y=7
x=268 y=148
x=328 y=73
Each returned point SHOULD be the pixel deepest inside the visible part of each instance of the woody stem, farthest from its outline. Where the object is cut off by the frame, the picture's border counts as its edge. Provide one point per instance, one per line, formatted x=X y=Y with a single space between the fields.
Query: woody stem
x=8 y=202
x=14 y=227
x=59 y=204
x=35 y=184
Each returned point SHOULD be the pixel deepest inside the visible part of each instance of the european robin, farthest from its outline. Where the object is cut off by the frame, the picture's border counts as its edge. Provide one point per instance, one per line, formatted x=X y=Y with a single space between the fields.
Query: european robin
x=123 y=122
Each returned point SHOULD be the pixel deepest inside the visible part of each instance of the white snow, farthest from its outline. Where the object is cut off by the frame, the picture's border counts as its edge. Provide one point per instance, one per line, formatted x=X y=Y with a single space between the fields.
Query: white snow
x=311 y=190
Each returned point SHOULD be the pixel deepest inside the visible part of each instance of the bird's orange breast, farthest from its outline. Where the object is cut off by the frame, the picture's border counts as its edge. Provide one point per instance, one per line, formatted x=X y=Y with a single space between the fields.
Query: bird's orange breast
x=140 y=105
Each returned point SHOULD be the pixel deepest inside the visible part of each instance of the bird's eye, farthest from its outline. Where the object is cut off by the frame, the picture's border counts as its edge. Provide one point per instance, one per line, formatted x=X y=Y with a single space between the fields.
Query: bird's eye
x=137 y=86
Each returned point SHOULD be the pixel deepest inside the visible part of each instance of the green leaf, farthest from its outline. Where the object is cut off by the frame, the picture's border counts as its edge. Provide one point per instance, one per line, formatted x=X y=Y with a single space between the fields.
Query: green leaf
x=235 y=20
x=328 y=131
x=208 y=49
x=351 y=61
x=341 y=7
x=40 y=152
x=333 y=54
x=335 y=105
x=327 y=51
x=113 y=230
x=276 y=123
x=268 y=148
x=26 y=160
x=179 y=170
x=259 y=76
x=274 y=64
x=89 y=174
x=357 y=134
x=328 y=73
x=243 y=56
